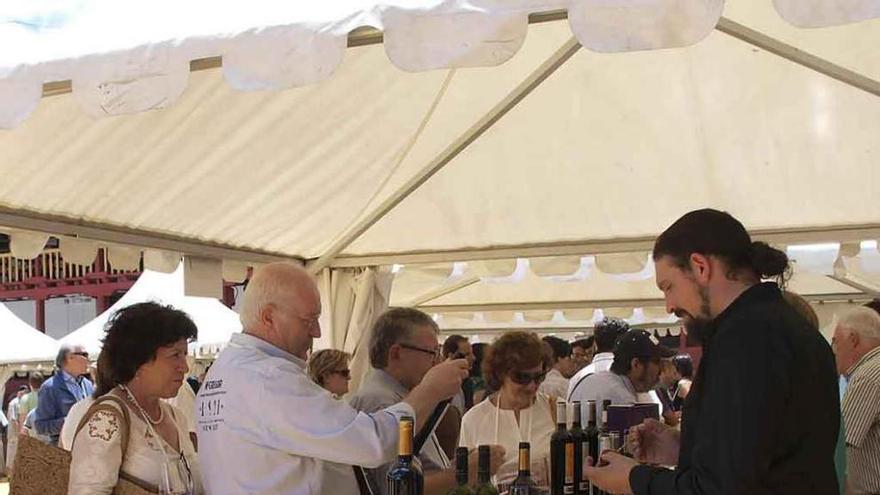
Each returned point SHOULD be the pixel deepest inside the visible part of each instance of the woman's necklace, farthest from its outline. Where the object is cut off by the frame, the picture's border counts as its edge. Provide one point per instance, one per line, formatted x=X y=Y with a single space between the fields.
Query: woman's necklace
x=141 y=409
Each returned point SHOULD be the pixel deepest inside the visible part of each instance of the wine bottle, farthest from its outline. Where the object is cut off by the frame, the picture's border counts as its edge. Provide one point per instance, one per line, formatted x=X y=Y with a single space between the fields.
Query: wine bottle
x=604 y=425
x=605 y=443
x=561 y=456
x=405 y=478
x=461 y=473
x=484 y=473
x=581 y=451
x=523 y=484
x=592 y=439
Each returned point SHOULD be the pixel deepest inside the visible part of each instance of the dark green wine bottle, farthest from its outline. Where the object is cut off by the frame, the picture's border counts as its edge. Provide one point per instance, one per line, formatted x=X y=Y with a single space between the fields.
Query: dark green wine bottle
x=484 y=473
x=561 y=456
x=593 y=440
x=461 y=473
x=405 y=478
x=581 y=450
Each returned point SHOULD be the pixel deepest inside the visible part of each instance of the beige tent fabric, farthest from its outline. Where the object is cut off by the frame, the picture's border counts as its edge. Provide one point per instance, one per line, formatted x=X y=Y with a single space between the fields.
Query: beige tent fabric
x=124 y=257
x=555 y=265
x=26 y=245
x=78 y=251
x=821 y=13
x=202 y=277
x=161 y=261
x=351 y=301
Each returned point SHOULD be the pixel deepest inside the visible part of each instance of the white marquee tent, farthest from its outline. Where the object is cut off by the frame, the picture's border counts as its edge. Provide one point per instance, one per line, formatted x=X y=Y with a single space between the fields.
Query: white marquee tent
x=215 y=322
x=24 y=348
x=355 y=135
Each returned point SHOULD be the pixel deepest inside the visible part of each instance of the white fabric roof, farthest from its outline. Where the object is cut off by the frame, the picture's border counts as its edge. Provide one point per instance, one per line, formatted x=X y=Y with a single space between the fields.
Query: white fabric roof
x=296 y=138
x=215 y=322
x=21 y=342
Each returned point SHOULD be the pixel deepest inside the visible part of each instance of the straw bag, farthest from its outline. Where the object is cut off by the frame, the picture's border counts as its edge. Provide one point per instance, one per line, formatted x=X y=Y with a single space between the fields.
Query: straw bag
x=43 y=469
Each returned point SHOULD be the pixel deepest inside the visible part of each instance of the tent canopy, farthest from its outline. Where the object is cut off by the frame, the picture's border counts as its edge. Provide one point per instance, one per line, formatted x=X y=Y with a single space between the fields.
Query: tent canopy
x=454 y=131
x=215 y=322
x=22 y=343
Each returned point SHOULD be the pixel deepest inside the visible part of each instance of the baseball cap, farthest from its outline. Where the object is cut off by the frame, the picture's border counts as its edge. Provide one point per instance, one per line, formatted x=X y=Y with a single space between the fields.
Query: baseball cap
x=641 y=344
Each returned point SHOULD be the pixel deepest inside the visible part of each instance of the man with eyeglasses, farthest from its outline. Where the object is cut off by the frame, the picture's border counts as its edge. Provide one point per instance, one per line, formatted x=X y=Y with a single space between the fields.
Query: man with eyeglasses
x=265 y=427
x=403 y=348
x=634 y=371
x=60 y=392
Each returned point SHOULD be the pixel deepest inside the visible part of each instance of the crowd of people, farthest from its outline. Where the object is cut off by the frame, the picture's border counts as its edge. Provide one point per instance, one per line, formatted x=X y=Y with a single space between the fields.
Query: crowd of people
x=769 y=409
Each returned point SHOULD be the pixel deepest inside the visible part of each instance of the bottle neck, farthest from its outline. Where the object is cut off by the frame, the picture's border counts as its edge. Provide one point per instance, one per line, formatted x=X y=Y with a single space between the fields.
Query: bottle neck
x=524 y=463
x=483 y=468
x=576 y=419
x=560 y=416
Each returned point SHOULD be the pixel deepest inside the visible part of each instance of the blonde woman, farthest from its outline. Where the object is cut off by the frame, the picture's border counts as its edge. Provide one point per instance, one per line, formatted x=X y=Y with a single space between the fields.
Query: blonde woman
x=329 y=369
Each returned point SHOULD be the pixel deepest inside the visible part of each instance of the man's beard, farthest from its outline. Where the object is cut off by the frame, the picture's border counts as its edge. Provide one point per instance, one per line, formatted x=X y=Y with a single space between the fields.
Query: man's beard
x=700 y=326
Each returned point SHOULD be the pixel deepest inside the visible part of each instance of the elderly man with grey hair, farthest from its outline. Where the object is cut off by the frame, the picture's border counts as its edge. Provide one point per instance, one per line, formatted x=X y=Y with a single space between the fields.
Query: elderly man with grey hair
x=60 y=392
x=265 y=427
x=403 y=348
x=856 y=344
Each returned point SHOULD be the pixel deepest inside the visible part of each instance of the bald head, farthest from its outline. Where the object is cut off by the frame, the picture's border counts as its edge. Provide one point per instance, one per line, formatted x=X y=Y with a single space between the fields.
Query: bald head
x=281 y=305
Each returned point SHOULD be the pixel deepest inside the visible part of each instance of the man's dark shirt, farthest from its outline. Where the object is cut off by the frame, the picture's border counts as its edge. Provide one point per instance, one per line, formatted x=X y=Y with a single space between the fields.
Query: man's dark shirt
x=762 y=416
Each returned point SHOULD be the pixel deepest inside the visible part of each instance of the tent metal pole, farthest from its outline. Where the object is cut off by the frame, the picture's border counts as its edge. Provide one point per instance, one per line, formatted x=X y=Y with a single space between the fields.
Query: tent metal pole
x=608 y=303
x=442 y=291
x=508 y=103
x=798 y=56
x=102 y=232
x=858 y=284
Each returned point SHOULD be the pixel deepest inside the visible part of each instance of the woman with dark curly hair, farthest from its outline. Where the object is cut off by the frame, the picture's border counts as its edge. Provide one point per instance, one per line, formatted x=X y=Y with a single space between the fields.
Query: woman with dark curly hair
x=129 y=432
x=514 y=366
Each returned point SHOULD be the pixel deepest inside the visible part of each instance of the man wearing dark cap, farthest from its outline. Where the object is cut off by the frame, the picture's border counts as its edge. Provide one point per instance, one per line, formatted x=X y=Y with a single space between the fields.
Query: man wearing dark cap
x=635 y=370
x=606 y=334
x=762 y=416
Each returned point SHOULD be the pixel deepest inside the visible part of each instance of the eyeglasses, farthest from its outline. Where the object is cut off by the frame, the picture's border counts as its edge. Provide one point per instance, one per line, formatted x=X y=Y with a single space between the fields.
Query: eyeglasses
x=343 y=373
x=433 y=352
x=81 y=353
x=523 y=378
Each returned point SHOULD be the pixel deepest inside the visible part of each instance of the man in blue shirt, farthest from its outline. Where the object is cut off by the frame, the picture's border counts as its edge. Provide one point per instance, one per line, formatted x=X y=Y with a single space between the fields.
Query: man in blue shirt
x=59 y=393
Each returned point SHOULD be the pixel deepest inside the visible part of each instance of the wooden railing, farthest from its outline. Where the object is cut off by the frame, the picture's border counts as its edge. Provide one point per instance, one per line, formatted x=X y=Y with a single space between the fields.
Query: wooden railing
x=49 y=265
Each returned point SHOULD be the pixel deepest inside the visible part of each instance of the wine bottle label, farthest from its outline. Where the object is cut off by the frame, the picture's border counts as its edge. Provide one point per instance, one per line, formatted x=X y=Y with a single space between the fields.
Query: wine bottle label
x=569 y=467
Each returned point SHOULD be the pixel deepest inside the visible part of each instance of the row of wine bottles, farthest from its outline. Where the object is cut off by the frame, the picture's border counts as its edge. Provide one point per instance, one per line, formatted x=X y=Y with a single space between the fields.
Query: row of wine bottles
x=571 y=450
x=406 y=478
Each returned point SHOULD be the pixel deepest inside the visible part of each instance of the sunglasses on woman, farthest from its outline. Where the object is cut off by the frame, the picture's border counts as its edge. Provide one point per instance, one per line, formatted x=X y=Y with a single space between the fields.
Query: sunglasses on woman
x=523 y=378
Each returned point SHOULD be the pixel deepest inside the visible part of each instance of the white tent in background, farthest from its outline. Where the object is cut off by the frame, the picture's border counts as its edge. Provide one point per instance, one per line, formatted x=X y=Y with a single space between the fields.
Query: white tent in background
x=215 y=322
x=24 y=347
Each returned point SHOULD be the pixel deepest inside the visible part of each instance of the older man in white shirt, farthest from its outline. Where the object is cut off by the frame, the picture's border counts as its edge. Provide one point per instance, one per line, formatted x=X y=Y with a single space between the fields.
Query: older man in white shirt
x=265 y=428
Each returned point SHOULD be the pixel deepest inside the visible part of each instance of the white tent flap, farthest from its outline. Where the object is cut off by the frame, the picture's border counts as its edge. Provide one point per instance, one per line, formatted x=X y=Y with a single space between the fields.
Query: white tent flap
x=26 y=245
x=418 y=41
x=78 y=251
x=578 y=314
x=202 y=277
x=282 y=57
x=538 y=315
x=493 y=268
x=147 y=78
x=124 y=257
x=234 y=271
x=161 y=261
x=499 y=316
x=557 y=266
x=621 y=263
x=823 y=13
x=630 y=25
